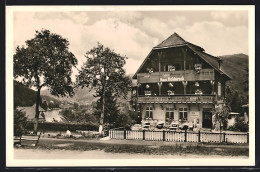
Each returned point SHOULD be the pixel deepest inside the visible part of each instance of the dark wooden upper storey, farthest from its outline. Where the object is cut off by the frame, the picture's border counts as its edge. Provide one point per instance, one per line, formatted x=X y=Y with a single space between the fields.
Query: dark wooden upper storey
x=183 y=56
x=182 y=64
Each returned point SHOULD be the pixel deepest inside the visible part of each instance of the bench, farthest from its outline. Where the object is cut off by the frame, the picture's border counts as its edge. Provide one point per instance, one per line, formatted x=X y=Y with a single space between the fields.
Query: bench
x=27 y=138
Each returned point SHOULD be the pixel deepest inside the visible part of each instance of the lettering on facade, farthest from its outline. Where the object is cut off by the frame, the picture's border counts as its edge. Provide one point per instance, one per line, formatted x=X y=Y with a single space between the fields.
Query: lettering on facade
x=194 y=114
x=172 y=79
x=163 y=79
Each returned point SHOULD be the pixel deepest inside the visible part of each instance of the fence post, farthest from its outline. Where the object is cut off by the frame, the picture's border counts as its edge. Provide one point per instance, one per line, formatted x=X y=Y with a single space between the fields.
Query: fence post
x=143 y=134
x=124 y=134
x=163 y=135
x=185 y=140
x=224 y=136
x=199 y=136
x=247 y=137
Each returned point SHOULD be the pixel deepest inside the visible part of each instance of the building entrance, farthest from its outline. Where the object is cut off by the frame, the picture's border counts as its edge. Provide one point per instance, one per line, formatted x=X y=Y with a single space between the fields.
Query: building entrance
x=207 y=118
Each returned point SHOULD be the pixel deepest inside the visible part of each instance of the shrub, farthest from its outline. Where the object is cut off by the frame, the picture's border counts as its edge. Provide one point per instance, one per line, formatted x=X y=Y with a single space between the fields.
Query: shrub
x=20 y=123
x=47 y=126
x=240 y=126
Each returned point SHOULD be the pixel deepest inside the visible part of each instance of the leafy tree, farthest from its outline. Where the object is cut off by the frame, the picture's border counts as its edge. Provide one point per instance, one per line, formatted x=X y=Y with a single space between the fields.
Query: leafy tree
x=79 y=116
x=45 y=61
x=104 y=72
x=20 y=122
x=111 y=108
x=234 y=100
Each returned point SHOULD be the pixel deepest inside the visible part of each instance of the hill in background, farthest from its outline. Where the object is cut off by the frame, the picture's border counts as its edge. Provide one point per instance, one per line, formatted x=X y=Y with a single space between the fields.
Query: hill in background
x=235 y=66
x=23 y=96
x=83 y=96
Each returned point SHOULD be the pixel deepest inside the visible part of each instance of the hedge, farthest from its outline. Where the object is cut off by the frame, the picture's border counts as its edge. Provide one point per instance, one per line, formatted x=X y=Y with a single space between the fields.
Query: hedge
x=48 y=126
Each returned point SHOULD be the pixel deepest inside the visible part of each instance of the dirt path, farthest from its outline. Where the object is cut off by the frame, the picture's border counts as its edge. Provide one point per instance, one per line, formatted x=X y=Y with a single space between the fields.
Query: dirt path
x=100 y=154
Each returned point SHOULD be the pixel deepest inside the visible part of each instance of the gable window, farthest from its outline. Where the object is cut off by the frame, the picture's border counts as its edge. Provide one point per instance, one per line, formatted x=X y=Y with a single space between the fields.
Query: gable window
x=169 y=115
x=183 y=114
x=149 y=112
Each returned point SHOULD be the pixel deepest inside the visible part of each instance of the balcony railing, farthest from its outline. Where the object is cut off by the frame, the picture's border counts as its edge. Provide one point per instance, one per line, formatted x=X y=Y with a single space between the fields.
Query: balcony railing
x=177 y=99
x=187 y=75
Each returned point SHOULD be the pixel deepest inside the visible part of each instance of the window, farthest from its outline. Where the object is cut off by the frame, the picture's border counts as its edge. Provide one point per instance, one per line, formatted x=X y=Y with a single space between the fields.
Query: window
x=169 y=114
x=183 y=114
x=149 y=112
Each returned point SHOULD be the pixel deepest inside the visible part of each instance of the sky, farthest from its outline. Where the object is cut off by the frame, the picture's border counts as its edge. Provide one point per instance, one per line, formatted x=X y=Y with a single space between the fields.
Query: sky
x=134 y=33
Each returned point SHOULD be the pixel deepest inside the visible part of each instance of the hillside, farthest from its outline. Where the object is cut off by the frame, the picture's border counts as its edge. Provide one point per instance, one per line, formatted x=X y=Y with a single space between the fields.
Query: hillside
x=235 y=66
x=23 y=96
x=82 y=96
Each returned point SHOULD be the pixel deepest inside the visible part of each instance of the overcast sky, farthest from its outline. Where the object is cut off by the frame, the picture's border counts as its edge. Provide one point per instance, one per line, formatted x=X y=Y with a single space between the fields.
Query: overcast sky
x=135 y=33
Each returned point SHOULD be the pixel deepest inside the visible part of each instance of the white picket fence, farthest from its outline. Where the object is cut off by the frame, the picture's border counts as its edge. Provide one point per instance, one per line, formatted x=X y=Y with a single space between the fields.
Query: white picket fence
x=178 y=136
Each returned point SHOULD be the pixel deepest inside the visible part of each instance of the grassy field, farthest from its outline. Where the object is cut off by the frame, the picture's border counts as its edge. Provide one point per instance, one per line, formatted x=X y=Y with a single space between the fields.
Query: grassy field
x=174 y=149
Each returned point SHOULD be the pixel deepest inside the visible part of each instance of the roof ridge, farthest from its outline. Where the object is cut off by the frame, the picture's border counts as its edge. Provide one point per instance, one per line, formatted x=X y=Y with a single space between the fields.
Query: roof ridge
x=171 y=41
x=179 y=36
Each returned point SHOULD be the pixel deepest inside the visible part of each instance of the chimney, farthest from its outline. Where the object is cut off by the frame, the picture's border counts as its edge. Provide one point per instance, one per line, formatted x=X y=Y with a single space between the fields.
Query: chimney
x=219 y=63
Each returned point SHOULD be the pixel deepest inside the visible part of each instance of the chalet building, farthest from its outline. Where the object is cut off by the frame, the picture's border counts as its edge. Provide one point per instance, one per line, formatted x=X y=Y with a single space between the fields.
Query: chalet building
x=178 y=81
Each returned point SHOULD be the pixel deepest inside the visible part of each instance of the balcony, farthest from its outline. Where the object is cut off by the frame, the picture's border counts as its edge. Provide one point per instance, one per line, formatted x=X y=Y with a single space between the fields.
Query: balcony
x=187 y=75
x=177 y=99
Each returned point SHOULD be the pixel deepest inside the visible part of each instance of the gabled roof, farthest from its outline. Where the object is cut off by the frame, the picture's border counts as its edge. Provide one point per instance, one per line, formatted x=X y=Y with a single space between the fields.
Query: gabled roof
x=173 y=40
x=211 y=60
x=176 y=41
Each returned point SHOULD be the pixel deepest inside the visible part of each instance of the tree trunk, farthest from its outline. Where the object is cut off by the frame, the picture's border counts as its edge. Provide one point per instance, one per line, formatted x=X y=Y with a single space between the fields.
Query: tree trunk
x=102 y=114
x=37 y=113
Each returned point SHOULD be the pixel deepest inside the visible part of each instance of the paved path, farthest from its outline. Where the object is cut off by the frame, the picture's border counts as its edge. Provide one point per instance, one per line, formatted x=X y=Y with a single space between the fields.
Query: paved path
x=144 y=142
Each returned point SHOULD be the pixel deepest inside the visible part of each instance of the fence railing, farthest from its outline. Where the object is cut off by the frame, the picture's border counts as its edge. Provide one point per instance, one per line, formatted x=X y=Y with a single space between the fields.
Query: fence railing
x=179 y=136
